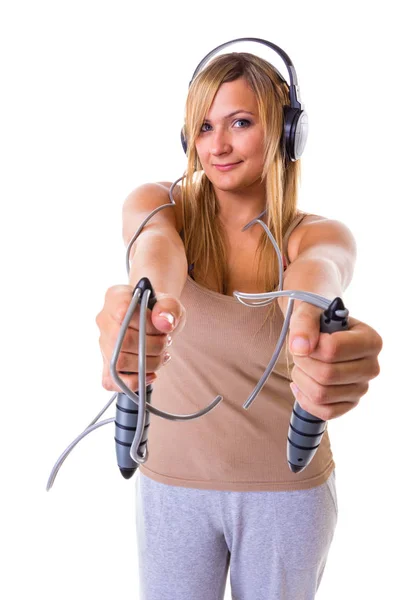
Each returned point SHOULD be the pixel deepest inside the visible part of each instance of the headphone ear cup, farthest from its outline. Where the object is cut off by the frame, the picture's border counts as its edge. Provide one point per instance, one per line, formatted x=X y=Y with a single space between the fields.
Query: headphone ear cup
x=295 y=132
x=183 y=141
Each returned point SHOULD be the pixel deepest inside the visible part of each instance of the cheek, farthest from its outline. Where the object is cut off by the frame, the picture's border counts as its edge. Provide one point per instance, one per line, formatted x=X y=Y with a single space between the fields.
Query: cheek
x=255 y=145
x=256 y=153
x=200 y=152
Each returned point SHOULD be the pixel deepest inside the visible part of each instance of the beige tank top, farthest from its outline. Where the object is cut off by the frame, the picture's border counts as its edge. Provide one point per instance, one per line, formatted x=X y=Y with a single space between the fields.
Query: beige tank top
x=224 y=349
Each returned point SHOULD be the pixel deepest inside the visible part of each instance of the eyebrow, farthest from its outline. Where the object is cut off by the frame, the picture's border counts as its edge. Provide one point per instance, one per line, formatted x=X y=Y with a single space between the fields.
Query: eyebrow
x=235 y=113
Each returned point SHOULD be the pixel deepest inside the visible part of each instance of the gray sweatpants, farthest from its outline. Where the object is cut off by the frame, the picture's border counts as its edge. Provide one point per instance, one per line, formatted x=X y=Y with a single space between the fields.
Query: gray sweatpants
x=275 y=543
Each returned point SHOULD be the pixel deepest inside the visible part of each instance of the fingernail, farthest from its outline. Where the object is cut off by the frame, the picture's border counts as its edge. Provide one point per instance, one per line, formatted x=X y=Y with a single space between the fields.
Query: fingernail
x=300 y=346
x=169 y=340
x=294 y=389
x=167 y=358
x=150 y=379
x=170 y=318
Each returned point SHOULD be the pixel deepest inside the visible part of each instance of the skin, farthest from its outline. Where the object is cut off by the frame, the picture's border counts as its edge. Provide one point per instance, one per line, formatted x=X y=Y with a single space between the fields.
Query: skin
x=228 y=139
x=334 y=373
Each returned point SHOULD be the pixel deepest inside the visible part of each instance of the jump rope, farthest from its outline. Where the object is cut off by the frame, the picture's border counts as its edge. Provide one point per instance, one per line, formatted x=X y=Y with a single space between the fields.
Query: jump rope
x=132 y=421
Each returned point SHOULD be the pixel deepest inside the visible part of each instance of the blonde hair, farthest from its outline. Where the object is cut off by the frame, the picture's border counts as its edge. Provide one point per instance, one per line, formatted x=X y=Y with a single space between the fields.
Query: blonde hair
x=204 y=237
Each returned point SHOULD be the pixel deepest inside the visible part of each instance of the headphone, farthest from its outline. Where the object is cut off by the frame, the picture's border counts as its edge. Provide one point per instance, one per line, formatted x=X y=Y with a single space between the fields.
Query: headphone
x=295 y=128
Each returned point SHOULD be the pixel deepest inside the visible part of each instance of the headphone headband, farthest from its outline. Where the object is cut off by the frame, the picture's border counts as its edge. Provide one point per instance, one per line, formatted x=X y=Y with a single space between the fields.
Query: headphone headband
x=294 y=90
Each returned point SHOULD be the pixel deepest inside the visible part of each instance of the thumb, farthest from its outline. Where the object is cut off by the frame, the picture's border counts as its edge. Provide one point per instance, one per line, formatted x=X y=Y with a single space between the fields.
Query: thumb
x=167 y=314
x=304 y=329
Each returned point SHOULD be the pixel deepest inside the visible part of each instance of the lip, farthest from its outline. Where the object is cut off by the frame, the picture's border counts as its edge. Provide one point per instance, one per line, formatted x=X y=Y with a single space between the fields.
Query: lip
x=228 y=166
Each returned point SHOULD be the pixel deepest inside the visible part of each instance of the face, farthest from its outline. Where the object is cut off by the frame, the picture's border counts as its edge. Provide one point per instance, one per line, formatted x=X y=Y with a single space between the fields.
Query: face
x=230 y=145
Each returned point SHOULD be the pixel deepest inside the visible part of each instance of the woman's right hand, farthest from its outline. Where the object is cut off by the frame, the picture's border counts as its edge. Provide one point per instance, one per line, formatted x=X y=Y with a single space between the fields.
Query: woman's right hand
x=159 y=335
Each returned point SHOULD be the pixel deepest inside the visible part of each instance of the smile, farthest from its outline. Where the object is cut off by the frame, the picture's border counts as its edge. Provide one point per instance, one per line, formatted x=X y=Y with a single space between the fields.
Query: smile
x=227 y=167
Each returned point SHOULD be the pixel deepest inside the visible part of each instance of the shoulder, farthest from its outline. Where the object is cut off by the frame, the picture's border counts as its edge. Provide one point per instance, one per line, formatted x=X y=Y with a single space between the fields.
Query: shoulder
x=300 y=224
x=177 y=196
x=312 y=229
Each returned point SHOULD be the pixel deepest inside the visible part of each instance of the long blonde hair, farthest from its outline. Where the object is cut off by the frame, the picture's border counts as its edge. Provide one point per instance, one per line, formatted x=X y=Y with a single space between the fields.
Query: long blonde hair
x=204 y=238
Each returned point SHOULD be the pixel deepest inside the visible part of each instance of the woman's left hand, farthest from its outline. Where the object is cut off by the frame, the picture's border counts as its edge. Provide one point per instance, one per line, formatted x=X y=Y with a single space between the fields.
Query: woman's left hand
x=334 y=373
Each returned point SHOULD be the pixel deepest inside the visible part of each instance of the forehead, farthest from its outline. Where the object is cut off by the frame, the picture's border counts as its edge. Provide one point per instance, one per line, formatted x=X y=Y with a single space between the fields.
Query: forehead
x=231 y=96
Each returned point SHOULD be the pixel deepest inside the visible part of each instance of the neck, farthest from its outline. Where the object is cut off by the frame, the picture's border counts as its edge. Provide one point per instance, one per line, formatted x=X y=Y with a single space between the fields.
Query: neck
x=238 y=208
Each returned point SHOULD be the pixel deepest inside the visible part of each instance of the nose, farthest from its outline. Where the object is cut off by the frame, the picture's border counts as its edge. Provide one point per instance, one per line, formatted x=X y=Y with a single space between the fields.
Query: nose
x=220 y=142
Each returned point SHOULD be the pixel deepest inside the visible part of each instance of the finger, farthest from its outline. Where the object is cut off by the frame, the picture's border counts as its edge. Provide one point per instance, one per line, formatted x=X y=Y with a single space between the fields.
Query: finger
x=359 y=341
x=304 y=329
x=120 y=311
x=129 y=361
x=131 y=381
x=339 y=373
x=327 y=394
x=326 y=412
x=117 y=301
x=115 y=296
x=168 y=315
x=155 y=344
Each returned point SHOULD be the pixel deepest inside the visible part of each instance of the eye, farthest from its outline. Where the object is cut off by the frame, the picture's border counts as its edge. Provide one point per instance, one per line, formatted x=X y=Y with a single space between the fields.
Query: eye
x=245 y=123
x=204 y=126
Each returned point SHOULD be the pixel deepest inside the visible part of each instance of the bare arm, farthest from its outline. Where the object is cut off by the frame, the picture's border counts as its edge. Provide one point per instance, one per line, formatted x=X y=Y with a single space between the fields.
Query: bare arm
x=323 y=259
x=158 y=253
x=162 y=259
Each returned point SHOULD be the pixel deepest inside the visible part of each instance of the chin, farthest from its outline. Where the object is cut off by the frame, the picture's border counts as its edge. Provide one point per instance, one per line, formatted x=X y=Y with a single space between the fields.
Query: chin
x=233 y=184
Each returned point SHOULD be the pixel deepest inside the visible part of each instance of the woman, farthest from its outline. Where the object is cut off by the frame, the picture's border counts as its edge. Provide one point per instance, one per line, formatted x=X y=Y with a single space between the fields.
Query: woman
x=216 y=492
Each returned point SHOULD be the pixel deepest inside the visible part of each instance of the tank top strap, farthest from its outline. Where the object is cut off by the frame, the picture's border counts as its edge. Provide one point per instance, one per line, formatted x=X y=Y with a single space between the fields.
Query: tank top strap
x=296 y=221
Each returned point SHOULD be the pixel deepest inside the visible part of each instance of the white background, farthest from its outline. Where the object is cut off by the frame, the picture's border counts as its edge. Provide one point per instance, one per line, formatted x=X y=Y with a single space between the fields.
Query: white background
x=91 y=106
